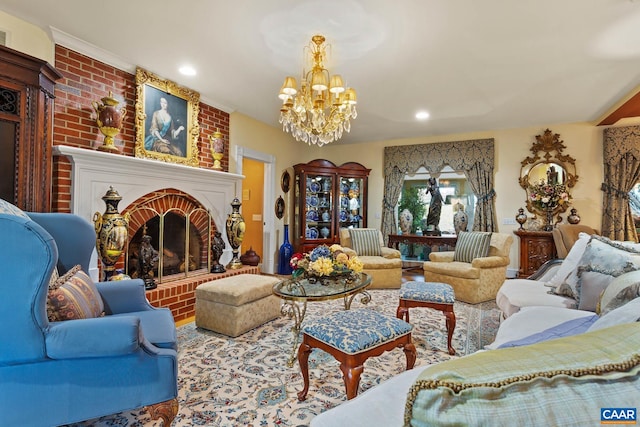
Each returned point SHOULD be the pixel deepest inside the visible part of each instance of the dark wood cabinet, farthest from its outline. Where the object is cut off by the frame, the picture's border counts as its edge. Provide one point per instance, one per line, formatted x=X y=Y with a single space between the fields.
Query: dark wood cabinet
x=326 y=198
x=26 y=123
x=536 y=248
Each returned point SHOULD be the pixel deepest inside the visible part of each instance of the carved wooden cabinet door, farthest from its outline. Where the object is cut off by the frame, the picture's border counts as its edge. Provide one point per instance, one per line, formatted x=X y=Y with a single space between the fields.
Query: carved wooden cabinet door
x=26 y=124
x=536 y=248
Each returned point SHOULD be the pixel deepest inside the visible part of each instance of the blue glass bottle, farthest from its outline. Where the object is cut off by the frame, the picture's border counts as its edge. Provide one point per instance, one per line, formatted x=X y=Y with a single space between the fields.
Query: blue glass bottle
x=286 y=251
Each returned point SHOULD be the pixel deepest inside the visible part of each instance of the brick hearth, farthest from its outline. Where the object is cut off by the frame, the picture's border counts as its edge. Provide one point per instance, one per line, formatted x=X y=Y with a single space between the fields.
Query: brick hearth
x=179 y=295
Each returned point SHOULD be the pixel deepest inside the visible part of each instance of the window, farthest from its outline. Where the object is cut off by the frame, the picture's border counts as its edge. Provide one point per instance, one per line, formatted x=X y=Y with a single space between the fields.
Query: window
x=454 y=189
x=634 y=203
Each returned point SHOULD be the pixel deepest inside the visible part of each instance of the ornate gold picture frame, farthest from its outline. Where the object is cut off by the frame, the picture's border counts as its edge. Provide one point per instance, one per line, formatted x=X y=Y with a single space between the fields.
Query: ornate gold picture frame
x=167 y=126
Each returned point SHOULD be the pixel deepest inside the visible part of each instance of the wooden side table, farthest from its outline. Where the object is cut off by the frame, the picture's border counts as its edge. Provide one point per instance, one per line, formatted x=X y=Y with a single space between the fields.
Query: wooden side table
x=536 y=248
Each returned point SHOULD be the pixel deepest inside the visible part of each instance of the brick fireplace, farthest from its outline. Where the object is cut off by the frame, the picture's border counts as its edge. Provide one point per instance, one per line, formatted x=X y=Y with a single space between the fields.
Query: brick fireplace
x=140 y=182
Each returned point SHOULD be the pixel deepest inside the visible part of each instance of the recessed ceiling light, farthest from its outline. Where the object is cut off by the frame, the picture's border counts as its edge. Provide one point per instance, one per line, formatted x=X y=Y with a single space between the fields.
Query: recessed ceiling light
x=422 y=115
x=187 y=70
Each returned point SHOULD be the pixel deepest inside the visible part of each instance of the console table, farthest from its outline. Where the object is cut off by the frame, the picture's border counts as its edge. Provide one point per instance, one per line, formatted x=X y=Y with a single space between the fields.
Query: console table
x=396 y=239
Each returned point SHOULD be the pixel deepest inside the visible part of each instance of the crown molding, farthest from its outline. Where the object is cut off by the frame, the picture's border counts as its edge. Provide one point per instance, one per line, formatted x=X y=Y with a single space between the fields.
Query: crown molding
x=67 y=40
x=90 y=50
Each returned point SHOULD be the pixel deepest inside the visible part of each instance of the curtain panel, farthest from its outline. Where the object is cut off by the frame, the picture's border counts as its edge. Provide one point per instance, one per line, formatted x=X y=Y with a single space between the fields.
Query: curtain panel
x=474 y=157
x=621 y=156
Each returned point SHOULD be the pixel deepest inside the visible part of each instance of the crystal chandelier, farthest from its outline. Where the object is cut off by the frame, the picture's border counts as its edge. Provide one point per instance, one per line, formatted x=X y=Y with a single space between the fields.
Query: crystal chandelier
x=321 y=110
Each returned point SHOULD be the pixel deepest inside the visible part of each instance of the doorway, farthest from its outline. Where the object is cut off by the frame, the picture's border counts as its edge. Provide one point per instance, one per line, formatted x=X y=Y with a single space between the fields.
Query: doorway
x=257 y=197
x=252 y=205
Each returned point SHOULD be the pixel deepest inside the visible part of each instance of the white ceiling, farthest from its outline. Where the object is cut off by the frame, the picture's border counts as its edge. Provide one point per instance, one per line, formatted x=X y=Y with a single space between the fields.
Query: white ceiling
x=474 y=65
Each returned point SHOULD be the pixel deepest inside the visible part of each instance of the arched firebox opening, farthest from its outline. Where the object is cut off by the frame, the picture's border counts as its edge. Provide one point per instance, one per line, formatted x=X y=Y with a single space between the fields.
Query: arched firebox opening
x=169 y=232
x=180 y=232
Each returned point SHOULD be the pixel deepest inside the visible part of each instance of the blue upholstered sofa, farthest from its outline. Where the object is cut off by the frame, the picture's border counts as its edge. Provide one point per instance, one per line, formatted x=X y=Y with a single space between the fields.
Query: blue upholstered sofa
x=59 y=372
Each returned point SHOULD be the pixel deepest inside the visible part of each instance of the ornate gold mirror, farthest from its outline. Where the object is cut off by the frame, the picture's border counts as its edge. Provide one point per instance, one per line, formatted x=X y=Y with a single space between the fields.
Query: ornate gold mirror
x=547 y=177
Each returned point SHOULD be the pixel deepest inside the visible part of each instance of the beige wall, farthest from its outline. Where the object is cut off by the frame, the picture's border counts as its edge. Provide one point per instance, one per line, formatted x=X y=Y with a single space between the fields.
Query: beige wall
x=27 y=38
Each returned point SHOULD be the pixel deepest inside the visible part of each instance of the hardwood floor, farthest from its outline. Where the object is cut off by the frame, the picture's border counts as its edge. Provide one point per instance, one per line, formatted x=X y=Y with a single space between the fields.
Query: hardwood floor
x=414 y=274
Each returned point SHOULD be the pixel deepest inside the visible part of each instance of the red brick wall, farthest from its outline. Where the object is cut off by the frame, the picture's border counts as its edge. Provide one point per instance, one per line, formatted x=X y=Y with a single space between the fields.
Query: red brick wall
x=86 y=80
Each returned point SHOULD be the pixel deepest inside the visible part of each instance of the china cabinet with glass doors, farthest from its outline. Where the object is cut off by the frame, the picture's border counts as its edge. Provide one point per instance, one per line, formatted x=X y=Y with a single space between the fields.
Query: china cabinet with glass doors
x=327 y=198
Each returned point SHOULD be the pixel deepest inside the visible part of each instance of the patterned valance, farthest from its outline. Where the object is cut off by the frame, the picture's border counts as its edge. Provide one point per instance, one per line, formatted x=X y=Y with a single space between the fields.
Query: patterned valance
x=460 y=155
x=474 y=157
x=619 y=142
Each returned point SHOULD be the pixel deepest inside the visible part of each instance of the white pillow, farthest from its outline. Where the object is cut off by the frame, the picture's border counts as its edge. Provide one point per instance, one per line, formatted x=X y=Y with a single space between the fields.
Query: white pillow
x=628 y=313
x=570 y=263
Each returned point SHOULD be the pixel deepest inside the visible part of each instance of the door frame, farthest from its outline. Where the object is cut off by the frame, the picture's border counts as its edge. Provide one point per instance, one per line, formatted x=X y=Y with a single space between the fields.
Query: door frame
x=268 y=214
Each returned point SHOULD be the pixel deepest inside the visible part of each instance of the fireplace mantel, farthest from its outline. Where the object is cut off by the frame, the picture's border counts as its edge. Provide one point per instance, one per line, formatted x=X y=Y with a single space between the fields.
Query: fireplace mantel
x=93 y=172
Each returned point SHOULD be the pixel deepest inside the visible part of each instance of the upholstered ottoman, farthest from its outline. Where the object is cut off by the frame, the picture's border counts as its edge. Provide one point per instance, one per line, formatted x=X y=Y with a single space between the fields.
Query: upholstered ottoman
x=236 y=304
x=386 y=273
x=437 y=296
x=352 y=336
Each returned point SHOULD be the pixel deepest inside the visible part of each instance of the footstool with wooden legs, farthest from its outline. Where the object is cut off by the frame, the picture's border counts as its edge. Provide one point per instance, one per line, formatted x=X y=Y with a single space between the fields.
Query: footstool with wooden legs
x=351 y=337
x=434 y=295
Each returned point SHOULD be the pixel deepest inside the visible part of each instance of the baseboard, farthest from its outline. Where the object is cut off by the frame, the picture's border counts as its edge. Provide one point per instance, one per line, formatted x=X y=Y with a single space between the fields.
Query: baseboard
x=512 y=273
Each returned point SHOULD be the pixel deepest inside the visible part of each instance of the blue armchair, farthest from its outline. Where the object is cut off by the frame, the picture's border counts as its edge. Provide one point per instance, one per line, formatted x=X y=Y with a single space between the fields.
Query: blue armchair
x=54 y=373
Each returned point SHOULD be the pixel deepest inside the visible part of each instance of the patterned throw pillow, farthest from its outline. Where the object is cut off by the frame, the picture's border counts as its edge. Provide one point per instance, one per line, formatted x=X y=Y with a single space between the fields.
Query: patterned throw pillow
x=55 y=275
x=365 y=241
x=600 y=255
x=9 y=209
x=74 y=296
x=472 y=245
x=620 y=291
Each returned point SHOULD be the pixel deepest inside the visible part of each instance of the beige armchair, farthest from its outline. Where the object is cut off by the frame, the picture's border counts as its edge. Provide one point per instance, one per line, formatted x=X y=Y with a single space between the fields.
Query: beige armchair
x=565 y=235
x=473 y=282
x=385 y=269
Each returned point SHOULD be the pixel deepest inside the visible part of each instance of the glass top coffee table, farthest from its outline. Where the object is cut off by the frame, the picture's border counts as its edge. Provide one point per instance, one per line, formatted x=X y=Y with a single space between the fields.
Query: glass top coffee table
x=297 y=292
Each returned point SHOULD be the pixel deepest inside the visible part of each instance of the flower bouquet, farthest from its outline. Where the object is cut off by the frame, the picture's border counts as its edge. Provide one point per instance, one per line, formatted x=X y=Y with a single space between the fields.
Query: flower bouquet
x=324 y=263
x=548 y=196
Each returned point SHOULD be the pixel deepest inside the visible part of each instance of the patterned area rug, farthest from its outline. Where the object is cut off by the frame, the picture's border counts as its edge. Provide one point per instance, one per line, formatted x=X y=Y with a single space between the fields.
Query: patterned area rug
x=246 y=381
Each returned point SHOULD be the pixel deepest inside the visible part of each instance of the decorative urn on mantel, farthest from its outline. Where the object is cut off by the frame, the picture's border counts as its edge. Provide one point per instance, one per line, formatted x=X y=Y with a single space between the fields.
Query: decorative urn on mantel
x=109 y=121
x=217 y=149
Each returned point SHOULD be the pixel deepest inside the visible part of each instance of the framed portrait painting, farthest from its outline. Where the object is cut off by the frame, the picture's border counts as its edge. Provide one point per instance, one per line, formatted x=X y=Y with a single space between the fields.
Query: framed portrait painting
x=167 y=126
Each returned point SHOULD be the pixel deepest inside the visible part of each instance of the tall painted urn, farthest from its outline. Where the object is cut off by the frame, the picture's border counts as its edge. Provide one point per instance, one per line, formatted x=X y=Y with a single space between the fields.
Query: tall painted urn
x=112 y=230
x=109 y=121
x=235 y=233
x=217 y=149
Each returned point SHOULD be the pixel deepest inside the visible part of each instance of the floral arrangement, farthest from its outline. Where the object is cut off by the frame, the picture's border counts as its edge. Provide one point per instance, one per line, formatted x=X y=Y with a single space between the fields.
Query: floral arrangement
x=325 y=261
x=548 y=196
